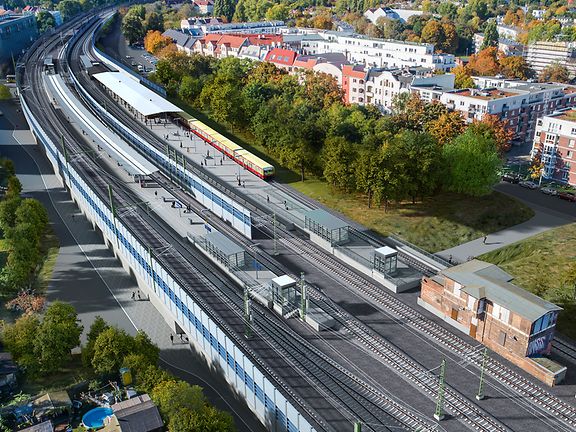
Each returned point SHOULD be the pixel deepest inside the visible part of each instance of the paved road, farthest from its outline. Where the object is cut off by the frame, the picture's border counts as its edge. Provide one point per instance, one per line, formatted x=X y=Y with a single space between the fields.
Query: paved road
x=88 y=276
x=549 y=212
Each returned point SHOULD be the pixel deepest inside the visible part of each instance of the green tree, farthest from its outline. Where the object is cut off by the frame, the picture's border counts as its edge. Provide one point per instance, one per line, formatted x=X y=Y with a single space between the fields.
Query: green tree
x=190 y=88
x=145 y=347
x=33 y=212
x=207 y=419
x=97 y=327
x=138 y=10
x=57 y=335
x=23 y=258
x=147 y=376
x=14 y=188
x=69 y=8
x=155 y=22
x=45 y=21
x=110 y=348
x=8 y=208
x=339 y=156
x=278 y=12
x=367 y=169
x=490 y=35
x=472 y=163
x=18 y=338
x=224 y=8
x=172 y=396
x=132 y=28
x=462 y=77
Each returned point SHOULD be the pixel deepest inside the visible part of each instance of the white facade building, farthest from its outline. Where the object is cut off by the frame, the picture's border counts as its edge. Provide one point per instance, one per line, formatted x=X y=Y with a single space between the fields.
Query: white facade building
x=380 y=53
x=540 y=55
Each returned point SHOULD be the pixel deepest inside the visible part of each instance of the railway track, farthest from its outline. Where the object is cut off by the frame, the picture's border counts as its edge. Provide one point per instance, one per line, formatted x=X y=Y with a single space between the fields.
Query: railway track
x=358 y=395
x=443 y=337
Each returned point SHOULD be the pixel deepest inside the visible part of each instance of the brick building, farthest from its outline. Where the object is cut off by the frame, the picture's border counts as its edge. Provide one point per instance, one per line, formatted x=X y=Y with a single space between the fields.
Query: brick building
x=479 y=299
x=555 y=144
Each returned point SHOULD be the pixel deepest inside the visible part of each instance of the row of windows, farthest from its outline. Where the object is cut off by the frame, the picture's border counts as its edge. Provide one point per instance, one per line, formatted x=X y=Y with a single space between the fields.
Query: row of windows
x=193 y=319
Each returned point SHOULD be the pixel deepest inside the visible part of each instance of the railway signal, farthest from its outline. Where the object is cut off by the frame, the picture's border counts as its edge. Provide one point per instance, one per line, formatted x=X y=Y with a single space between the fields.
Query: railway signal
x=480 y=394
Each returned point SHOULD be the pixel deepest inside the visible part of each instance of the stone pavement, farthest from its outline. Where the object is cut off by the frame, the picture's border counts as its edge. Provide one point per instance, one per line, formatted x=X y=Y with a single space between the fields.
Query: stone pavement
x=88 y=276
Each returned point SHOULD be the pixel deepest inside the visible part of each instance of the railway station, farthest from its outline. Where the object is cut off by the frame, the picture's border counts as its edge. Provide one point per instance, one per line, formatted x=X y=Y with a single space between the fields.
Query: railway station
x=142 y=102
x=327 y=226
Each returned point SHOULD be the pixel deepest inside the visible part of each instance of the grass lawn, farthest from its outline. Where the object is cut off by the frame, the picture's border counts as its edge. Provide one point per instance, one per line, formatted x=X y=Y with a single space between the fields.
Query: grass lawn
x=50 y=247
x=436 y=224
x=539 y=265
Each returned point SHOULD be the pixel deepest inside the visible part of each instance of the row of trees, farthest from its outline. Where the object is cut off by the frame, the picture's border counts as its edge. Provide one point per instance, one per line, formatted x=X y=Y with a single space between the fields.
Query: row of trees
x=137 y=22
x=307 y=128
x=23 y=223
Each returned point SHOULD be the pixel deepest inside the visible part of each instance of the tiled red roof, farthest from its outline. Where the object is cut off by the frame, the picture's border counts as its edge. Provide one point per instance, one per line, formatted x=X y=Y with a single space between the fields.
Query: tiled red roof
x=261 y=39
x=353 y=71
x=281 y=56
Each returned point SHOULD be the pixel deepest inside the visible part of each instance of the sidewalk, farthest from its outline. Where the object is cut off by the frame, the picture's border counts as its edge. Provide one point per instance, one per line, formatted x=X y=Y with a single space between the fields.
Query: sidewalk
x=89 y=277
x=543 y=220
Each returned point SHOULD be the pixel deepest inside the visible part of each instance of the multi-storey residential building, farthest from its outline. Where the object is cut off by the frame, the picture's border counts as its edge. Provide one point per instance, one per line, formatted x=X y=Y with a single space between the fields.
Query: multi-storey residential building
x=374 y=14
x=282 y=58
x=329 y=63
x=381 y=53
x=17 y=32
x=555 y=145
x=479 y=299
x=540 y=55
x=379 y=86
x=522 y=104
x=507 y=46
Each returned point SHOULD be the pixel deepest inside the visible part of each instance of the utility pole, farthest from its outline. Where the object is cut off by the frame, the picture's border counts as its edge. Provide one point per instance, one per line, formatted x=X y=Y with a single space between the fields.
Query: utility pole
x=113 y=210
x=439 y=414
x=480 y=394
x=247 y=314
x=357 y=427
x=303 y=296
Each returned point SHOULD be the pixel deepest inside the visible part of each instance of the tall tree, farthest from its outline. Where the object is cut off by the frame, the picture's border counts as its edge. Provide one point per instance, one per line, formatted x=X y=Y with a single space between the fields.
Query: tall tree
x=132 y=28
x=490 y=35
x=447 y=127
x=110 y=348
x=462 y=77
x=339 y=156
x=472 y=164
x=97 y=327
x=45 y=21
x=69 y=8
x=155 y=22
x=207 y=419
x=499 y=130
x=172 y=396
x=57 y=335
x=224 y=8
x=515 y=67
x=18 y=338
x=485 y=62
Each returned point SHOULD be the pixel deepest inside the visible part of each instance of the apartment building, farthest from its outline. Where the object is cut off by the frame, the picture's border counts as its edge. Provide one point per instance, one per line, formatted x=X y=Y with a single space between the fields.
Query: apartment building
x=380 y=53
x=507 y=46
x=379 y=87
x=521 y=103
x=203 y=6
x=479 y=299
x=199 y=28
x=540 y=55
x=555 y=143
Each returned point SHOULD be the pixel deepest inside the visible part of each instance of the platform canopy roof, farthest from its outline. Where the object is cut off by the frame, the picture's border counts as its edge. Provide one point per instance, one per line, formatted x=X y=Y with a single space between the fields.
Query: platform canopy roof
x=226 y=246
x=325 y=219
x=139 y=97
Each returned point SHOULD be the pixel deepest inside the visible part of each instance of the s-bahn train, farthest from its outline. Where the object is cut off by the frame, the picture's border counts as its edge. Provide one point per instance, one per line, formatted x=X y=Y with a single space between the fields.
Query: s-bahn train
x=241 y=156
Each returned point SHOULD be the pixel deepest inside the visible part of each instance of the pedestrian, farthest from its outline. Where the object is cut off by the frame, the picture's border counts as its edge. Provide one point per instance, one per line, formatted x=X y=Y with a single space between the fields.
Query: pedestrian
x=73 y=215
x=244 y=184
x=484 y=241
x=220 y=161
x=267 y=199
x=139 y=297
x=181 y=338
x=450 y=259
x=156 y=194
x=133 y=295
x=172 y=338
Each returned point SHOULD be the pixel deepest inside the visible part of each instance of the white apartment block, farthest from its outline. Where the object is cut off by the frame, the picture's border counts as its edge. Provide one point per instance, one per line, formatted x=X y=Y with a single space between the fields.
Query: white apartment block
x=259 y=27
x=539 y=55
x=379 y=53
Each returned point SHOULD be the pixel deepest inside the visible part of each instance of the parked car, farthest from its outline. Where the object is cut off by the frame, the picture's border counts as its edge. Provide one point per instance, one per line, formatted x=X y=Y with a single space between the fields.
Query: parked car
x=549 y=191
x=128 y=57
x=568 y=196
x=509 y=178
x=529 y=184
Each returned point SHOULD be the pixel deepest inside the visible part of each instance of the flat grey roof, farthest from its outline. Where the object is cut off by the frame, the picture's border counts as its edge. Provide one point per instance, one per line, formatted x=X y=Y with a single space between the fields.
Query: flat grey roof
x=481 y=279
x=327 y=220
x=139 y=97
x=223 y=243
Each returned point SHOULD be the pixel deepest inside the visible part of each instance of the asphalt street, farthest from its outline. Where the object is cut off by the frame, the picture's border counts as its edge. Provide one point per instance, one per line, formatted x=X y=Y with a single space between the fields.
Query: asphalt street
x=89 y=277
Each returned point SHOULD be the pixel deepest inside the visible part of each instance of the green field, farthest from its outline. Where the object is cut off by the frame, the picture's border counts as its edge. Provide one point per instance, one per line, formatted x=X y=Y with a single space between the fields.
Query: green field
x=436 y=224
x=539 y=265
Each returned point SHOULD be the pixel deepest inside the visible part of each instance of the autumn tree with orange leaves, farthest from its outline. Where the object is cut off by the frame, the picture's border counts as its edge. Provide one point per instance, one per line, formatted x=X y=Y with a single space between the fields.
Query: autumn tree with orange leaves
x=499 y=130
x=154 y=41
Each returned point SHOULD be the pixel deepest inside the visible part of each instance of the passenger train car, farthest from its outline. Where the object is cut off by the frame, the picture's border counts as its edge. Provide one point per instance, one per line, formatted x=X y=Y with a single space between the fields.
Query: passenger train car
x=241 y=156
